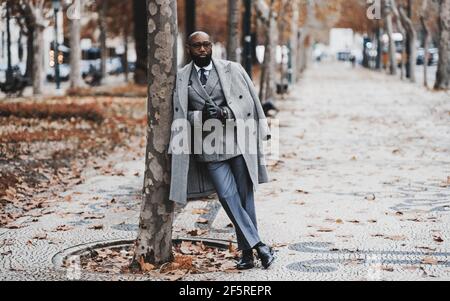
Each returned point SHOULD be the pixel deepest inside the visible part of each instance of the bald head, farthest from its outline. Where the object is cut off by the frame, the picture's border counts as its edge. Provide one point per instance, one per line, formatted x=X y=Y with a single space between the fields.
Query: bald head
x=198 y=35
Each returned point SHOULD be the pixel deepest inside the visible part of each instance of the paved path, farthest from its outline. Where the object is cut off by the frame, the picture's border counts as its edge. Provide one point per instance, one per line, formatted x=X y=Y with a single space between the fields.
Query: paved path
x=361 y=191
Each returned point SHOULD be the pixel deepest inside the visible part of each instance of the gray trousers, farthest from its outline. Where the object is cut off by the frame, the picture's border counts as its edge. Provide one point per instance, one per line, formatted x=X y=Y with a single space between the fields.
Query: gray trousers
x=235 y=190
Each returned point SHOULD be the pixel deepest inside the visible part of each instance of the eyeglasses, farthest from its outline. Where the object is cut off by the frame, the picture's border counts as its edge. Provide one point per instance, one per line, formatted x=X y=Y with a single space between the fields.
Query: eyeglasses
x=199 y=45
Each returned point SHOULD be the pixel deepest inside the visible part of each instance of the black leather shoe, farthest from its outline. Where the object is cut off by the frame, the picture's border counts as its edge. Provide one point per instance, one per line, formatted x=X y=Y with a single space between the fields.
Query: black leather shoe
x=246 y=260
x=265 y=254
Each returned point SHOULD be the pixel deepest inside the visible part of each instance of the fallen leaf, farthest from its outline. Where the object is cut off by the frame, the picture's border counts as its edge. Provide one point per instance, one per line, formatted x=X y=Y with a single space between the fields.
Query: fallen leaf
x=96 y=227
x=339 y=221
x=202 y=221
x=437 y=238
x=370 y=197
x=396 y=237
x=145 y=267
x=325 y=230
x=40 y=236
x=93 y=216
x=429 y=260
x=200 y=211
x=63 y=228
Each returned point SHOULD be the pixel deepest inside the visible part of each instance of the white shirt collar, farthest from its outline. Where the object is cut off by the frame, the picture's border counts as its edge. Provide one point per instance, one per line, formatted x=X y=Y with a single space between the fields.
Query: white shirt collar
x=207 y=68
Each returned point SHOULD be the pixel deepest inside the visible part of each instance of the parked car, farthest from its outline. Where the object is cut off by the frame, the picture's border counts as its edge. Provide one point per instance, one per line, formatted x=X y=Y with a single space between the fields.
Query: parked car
x=433 y=56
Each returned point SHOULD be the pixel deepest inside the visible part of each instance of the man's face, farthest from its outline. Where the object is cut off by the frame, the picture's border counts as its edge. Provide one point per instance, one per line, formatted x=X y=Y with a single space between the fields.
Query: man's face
x=200 y=50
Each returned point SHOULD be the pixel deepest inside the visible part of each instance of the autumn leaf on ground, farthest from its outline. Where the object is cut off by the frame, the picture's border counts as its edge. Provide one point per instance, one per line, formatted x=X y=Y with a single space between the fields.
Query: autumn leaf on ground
x=370 y=197
x=200 y=211
x=145 y=267
x=298 y=203
x=202 y=221
x=40 y=236
x=93 y=216
x=96 y=227
x=63 y=228
x=437 y=238
x=197 y=232
x=325 y=230
x=396 y=237
x=429 y=260
x=354 y=221
x=339 y=221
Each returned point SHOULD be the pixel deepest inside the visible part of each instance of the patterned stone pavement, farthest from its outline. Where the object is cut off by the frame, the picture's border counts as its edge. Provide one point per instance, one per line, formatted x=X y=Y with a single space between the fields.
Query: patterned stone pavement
x=360 y=191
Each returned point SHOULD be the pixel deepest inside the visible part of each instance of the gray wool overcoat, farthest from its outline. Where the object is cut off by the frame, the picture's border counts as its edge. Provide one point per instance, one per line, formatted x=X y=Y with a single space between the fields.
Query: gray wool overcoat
x=189 y=178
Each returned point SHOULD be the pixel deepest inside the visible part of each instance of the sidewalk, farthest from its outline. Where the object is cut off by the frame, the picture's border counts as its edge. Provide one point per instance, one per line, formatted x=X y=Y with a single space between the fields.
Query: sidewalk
x=361 y=191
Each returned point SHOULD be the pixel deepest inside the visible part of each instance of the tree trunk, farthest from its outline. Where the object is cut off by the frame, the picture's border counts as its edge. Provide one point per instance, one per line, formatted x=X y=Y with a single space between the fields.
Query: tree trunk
x=191 y=24
x=401 y=29
x=270 y=64
x=75 y=50
x=294 y=40
x=102 y=28
x=233 y=30
x=140 y=40
x=412 y=44
x=125 y=56
x=389 y=29
x=426 y=40
x=30 y=51
x=281 y=41
x=154 y=241
x=38 y=52
x=443 y=71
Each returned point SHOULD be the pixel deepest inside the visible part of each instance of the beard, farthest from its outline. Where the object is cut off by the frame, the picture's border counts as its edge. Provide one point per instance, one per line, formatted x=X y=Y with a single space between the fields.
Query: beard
x=202 y=61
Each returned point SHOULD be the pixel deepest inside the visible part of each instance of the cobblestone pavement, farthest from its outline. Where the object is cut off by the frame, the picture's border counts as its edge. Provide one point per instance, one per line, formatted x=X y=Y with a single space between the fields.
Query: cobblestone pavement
x=361 y=191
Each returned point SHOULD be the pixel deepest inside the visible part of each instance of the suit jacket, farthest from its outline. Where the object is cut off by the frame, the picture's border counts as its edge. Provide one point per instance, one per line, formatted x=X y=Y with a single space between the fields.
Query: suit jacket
x=189 y=178
x=198 y=95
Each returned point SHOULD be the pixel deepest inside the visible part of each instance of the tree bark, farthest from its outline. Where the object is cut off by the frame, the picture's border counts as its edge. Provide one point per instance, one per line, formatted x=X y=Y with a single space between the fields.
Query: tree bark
x=267 y=82
x=402 y=30
x=233 y=30
x=426 y=40
x=37 y=12
x=389 y=29
x=407 y=23
x=443 y=71
x=140 y=40
x=154 y=241
x=294 y=40
x=102 y=28
x=75 y=49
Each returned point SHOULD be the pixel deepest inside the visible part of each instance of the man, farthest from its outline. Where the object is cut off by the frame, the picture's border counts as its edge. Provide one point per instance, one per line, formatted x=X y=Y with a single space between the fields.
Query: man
x=212 y=93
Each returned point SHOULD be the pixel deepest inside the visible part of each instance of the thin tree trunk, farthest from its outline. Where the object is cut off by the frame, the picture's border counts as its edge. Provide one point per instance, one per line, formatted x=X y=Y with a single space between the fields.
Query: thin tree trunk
x=233 y=30
x=270 y=84
x=294 y=40
x=30 y=51
x=389 y=29
x=102 y=28
x=402 y=30
x=75 y=50
x=125 y=56
x=154 y=241
x=443 y=71
x=268 y=17
x=426 y=40
x=281 y=41
x=38 y=50
x=412 y=43
x=191 y=24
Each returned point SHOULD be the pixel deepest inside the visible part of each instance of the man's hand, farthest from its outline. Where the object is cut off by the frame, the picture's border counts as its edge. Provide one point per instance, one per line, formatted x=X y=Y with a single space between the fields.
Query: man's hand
x=213 y=111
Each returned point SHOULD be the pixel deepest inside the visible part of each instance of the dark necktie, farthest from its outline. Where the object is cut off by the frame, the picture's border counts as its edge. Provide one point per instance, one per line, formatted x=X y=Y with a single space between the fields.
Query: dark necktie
x=203 y=78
